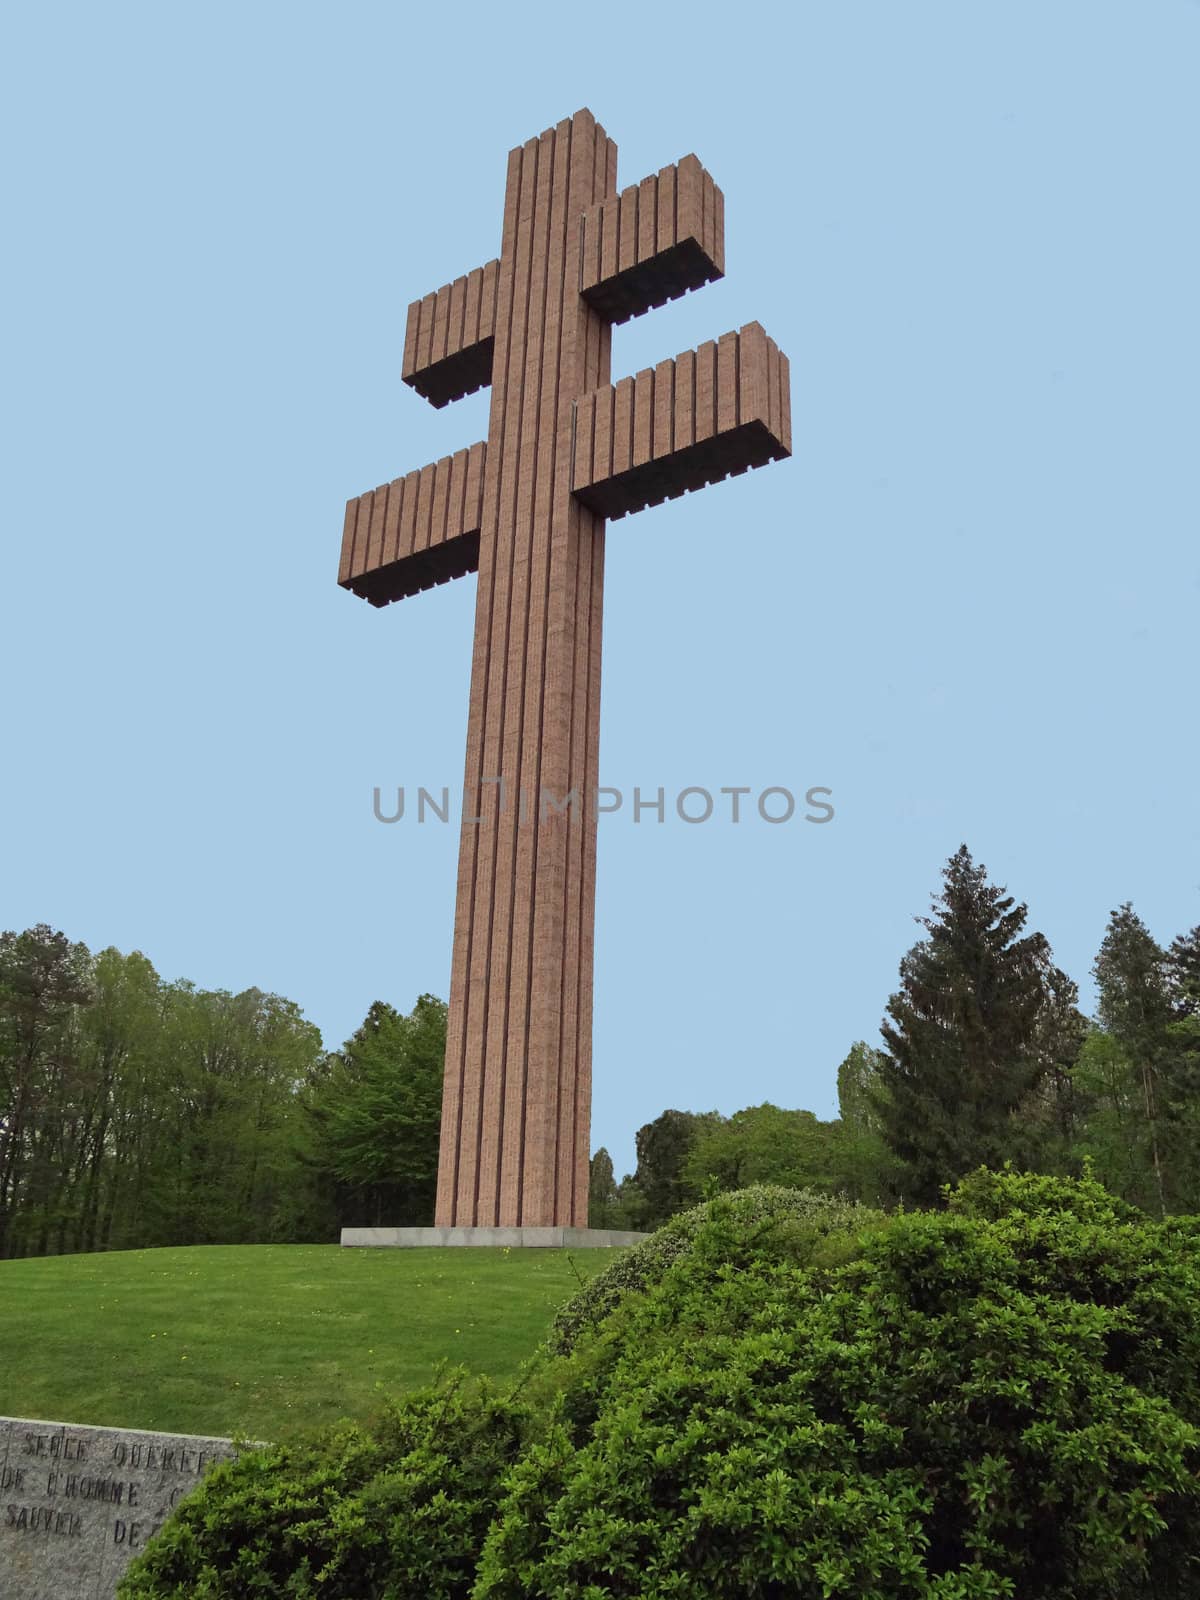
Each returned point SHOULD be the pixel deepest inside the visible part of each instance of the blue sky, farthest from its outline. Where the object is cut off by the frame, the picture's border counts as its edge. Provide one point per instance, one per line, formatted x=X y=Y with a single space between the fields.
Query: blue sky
x=967 y=605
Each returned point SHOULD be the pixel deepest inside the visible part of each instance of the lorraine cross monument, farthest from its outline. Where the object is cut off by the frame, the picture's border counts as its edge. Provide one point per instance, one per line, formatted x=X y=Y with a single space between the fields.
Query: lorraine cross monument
x=565 y=450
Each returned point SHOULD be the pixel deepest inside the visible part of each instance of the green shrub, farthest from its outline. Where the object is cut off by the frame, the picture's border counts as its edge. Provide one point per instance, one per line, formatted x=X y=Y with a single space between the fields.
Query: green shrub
x=398 y=1510
x=786 y=1398
x=999 y=1400
x=757 y=1211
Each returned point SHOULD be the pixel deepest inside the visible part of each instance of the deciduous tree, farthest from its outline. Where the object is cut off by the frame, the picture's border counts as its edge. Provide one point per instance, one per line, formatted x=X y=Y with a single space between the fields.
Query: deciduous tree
x=378 y=1110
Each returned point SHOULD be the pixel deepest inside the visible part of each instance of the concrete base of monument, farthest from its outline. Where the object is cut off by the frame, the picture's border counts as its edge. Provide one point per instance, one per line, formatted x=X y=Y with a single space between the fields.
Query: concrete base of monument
x=490 y=1238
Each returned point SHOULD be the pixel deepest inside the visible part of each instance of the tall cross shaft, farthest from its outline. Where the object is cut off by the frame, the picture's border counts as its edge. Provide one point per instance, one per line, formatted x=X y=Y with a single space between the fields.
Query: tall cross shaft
x=527 y=509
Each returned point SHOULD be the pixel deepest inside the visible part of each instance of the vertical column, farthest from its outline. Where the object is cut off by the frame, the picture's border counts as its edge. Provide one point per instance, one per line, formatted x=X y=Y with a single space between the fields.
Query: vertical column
x=516 y=1103
x=461 y=1131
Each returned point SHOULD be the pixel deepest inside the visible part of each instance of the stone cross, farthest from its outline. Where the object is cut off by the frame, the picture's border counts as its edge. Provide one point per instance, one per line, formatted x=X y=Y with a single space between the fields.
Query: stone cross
x=565 y=450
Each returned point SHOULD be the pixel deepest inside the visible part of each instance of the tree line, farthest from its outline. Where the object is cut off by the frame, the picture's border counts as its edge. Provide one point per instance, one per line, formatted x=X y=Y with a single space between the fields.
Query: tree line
x=137 y=1112
x=984 y=1058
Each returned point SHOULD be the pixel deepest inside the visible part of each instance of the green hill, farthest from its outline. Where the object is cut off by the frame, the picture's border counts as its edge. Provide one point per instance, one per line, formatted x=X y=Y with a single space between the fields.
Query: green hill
x=264 y=1339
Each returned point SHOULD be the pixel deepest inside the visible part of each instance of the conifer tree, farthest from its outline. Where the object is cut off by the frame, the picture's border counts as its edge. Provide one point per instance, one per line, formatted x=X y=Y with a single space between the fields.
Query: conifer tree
x=969 y=1035
x=1183 y=1065
x=1135 y=1009
x=1183 y=974
x=602 y=1190
x=865 y=1164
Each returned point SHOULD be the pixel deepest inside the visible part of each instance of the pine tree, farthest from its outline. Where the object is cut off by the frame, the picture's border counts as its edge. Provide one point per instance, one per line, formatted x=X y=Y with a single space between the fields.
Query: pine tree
x=968 y=1040
x=1182 y=1066
x=1183 y=974
x=1135 y=1010
x=866 y=1166
x=602 y=1190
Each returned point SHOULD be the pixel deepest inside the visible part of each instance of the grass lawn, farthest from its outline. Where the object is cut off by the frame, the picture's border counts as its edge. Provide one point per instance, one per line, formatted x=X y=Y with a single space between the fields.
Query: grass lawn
x=264 y=1339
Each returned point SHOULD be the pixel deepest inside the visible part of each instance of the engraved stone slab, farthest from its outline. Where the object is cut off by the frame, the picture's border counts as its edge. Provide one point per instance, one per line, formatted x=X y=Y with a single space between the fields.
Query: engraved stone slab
x=77 y=1503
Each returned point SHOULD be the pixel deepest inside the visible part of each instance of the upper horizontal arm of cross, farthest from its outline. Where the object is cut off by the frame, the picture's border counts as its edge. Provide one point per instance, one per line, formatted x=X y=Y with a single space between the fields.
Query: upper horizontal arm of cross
x=638 y=249
x=653 y=242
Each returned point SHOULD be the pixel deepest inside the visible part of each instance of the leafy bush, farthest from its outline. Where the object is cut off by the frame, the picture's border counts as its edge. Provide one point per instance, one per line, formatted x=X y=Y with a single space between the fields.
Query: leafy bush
x=398 y=1510
x=756 y=1211
x=786 y=1399
x=998 y=1400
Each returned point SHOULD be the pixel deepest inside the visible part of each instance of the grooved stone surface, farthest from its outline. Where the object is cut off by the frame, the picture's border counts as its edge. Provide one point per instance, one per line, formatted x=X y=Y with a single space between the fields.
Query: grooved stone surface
x=77 y=1503
x=653 y=242
x=565 y=449
x=658 y=444
x=416 y=531
x=538 y=1238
